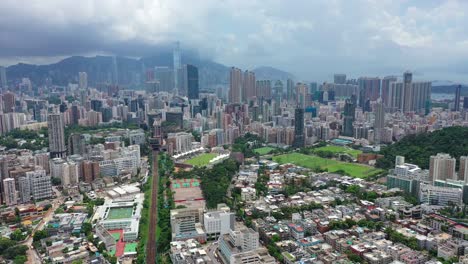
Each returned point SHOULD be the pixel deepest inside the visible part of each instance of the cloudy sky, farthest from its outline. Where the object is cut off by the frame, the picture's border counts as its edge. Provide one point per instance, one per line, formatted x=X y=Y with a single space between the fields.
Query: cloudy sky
x=310 y=38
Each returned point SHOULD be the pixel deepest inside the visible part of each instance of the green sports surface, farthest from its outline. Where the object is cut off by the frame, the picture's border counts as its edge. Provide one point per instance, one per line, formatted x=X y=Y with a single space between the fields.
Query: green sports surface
x=338 y=149
x=116 y=236
x=263 y=150
x=120 y=213
x=312 y=162
x=130 y=247
x=201 y=160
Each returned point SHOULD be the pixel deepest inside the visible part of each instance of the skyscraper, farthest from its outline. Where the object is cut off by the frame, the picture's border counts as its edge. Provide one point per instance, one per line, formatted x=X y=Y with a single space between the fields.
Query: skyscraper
x=463 y=172
x=176 y=63
x=465 y=102
x=165 y=76
x=290 y=96
x=56 y=128
x=263 y=89
x=456 y=107
x=408 y=96
x=385 y=92
x=9 y=102
x=3 y=77
x=442 y=167
x=235 y=85
x=379 y=121
x=303 y=98
x=339 y=78
x=407 y=92
x=115 y=71
x=348 y=119
x=248 y=86
x=277 y=95
x=83 y=80
x=192 y=82
x=369 y=89
x=9 y=190
x=299 y=128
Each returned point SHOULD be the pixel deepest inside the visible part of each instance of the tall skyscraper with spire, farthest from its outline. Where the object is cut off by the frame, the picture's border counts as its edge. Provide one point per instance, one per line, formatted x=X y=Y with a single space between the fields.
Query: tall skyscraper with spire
x=115 y=71
x=176 y=64
x=456 y=106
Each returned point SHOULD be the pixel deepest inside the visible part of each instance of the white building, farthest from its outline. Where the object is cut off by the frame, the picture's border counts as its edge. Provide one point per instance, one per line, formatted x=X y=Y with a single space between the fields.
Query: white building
x=66 y=171
x=248 y=194
x=40 y=184
x=187 y=223
x=129 y=222
x=218 y=223
x=436 y=195
x=239 y=246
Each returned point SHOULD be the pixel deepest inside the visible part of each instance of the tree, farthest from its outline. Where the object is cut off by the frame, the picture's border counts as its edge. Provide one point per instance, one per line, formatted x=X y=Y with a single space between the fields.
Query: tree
x=86 y=228
x=17 y=235
x=20 y=259
x=15 y=251
x=40 y=234
x=275 y=238
x=56 y=181
x=5 y=243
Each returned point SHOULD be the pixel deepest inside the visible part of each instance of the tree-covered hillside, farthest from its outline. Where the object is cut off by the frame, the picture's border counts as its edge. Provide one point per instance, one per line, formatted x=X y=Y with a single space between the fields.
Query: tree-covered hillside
x=418 y=148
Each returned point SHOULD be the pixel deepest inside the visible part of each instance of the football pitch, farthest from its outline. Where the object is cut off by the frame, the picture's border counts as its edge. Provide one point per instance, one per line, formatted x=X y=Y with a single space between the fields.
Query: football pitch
x=120 y=213
x=312 y=162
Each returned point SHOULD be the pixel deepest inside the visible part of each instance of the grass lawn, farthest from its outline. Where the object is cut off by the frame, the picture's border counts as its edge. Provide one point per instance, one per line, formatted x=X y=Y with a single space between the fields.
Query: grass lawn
x=263 y=150
x=130 y=247
x=307 y=161
x=337 y=149
x=201 y=160
x=120 y=212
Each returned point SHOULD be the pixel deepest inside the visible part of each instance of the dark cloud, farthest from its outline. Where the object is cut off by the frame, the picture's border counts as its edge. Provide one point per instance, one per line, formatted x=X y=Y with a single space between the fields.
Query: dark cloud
x=312 y=39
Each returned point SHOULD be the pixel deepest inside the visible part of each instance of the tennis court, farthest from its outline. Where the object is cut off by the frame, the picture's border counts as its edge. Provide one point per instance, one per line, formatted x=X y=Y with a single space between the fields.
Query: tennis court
x=185 y=183
x=120 y=213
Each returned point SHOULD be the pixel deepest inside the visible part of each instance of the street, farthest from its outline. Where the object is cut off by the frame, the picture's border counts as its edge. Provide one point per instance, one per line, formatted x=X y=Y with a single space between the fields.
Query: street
x=33 y=257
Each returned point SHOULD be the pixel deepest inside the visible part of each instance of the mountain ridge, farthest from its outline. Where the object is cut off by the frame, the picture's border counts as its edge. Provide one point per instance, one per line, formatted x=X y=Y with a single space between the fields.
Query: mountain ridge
x=129 y=71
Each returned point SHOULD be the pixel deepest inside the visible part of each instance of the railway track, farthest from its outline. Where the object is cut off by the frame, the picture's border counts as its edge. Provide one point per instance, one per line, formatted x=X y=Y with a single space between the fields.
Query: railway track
x=151 y=245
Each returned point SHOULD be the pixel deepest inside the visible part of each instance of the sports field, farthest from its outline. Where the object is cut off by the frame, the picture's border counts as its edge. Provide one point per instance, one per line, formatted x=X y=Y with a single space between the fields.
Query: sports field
x=120 y=213
x=130 y=247
x=312 y=162
x=337 y=149
x=263 y=150
x=201 y=160
x=116 y=236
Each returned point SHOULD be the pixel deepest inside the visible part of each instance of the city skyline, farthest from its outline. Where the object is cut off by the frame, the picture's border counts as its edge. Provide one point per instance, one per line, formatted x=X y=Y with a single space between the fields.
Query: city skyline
x=380 y=38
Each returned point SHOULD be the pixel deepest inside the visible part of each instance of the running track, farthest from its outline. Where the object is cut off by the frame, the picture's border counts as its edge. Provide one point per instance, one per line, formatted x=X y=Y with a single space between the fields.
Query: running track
x=151 y=245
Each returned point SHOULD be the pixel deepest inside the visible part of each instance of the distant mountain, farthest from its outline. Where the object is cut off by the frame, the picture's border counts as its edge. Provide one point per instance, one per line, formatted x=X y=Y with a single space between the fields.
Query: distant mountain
x=270 y=73
x=129 y=71
x=442 y=83
x=449 y=89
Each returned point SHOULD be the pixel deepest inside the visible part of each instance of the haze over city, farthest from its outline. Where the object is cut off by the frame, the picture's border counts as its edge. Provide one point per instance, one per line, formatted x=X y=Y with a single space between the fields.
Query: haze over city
x=233 y=132
x=311 y=39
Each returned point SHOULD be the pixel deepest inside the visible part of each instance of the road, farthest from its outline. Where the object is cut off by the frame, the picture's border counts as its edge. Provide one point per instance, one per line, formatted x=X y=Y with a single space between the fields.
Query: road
x=33 y=257
x=211 y=250
x=153 y=223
